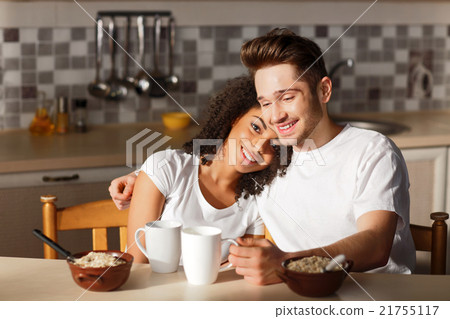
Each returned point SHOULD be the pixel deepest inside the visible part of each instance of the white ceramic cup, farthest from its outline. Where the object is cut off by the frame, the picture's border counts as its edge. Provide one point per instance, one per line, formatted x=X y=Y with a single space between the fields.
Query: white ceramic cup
x=201 y=250
x=163 y=244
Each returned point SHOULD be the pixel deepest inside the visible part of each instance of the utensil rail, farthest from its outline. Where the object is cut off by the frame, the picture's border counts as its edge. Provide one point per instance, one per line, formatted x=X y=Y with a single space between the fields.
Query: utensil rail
x=101 y=14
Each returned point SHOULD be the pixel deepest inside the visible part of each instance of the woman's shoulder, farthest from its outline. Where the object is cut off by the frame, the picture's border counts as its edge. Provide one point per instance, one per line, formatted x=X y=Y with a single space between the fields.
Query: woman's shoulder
x=172 y=155
x=172 y=159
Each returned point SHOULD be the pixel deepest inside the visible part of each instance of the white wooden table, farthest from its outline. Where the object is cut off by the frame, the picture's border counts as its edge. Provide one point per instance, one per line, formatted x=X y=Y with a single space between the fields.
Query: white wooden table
x=39 y=279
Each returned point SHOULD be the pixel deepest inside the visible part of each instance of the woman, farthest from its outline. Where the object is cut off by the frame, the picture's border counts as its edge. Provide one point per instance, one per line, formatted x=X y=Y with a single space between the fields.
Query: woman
x=212 y=186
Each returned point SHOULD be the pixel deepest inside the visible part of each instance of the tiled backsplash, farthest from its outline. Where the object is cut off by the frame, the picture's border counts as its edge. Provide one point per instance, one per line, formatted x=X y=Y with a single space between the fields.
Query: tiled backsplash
x=397 y=68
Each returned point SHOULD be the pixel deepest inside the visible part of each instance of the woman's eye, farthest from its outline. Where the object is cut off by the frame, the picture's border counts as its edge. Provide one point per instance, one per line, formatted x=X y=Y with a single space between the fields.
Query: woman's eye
x=256 y=127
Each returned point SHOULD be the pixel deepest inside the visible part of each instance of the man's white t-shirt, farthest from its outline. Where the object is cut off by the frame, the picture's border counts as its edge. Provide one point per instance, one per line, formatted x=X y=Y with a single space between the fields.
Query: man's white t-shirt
x=326 y=190
x=175 y=174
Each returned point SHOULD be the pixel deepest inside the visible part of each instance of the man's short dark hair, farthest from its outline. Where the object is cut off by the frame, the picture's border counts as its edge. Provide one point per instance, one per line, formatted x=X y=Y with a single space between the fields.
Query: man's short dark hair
x=281 y=46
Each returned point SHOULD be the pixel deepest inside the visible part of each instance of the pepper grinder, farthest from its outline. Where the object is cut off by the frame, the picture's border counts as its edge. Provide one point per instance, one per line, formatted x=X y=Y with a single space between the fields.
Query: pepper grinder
x=62 y=115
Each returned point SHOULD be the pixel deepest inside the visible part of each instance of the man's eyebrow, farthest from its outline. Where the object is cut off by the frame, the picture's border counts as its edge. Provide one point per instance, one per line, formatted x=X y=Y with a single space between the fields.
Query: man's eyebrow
x=262 y=122
x=279 y=92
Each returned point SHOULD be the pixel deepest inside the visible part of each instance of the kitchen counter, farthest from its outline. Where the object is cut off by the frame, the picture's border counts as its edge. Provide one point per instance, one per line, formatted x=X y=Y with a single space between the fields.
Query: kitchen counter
x=105 y=145
x=426 y=128
x=101 y=146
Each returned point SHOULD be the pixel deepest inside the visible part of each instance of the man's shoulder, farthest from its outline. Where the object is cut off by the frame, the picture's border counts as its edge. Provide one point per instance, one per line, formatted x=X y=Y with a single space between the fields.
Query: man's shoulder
x=370 y=140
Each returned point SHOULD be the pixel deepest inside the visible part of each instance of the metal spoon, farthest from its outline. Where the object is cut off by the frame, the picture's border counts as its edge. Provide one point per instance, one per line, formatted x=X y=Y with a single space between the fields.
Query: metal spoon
x=335 y=262
x=98 y=88
x=117 y=90
x=54 y=245
x=172 y=80
x=127 y=80
x=159 y=87
x=142 y=80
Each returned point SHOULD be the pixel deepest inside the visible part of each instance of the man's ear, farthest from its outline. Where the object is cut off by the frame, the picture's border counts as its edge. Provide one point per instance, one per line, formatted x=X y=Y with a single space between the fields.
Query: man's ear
x=324 y=89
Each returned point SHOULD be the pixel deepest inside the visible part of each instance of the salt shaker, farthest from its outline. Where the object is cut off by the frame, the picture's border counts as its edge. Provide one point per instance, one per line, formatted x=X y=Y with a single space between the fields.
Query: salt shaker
x=80 y=115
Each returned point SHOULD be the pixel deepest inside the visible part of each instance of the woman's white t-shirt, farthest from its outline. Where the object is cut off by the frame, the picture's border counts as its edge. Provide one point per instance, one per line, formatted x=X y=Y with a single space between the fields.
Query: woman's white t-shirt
x=175 y=174
x=326 y=190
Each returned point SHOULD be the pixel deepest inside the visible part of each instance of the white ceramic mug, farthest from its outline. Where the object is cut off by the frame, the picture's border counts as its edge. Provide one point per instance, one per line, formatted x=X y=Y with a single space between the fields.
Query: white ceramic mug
x=201 y=250
x=163 y=244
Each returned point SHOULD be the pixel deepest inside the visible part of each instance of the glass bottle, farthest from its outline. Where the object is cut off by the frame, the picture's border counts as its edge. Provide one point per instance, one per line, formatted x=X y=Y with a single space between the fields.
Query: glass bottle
x=62 y=115
x=42 y=123
x=80 y=115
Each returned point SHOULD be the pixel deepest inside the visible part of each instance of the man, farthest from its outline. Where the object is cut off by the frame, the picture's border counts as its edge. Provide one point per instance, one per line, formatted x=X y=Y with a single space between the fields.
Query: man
x=346 y=190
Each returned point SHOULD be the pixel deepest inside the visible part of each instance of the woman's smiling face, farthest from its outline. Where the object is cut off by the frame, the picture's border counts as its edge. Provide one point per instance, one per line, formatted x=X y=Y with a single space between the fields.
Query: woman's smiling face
x=249 y=143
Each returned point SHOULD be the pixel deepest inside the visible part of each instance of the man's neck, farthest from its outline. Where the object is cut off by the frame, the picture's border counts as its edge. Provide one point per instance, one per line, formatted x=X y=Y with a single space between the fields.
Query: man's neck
x=325 y=131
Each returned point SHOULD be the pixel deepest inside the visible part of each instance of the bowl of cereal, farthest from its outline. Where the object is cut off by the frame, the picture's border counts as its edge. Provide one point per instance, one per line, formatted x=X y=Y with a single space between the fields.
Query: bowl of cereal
x=306 y=275
x=100 y=270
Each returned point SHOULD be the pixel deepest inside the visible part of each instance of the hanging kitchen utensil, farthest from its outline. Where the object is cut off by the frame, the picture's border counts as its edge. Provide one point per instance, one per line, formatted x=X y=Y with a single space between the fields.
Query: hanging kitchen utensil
x=158 y=87
x=172 y=80
x=142 y=80
x=117 y=90
x=98 y=88
x=127 y=80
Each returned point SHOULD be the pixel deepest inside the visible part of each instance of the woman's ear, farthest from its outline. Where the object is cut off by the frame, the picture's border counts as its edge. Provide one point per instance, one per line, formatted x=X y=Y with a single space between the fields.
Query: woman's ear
x=325 y=87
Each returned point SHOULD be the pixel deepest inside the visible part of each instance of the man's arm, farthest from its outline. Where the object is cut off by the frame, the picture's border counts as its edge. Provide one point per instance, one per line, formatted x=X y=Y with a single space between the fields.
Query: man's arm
x=369 y=248
x=121 y=190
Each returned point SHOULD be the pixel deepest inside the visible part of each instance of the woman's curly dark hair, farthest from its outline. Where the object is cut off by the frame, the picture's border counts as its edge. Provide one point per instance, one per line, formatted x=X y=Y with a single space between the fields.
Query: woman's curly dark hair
x=224 y=108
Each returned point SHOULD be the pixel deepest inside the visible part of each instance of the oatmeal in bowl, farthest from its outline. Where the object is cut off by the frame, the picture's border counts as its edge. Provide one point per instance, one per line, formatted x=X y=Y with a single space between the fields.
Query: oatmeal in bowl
x=305 y=276
x=101 y=270
x=98 y=260
x=313 y=264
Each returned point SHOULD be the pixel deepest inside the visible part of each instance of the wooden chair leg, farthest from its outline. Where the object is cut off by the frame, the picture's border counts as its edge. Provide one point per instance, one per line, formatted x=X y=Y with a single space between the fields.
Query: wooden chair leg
x=49 y=224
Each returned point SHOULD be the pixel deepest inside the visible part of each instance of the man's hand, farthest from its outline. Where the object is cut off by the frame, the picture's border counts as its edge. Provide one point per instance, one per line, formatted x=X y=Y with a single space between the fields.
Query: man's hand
x=256 y=260
x=121 y=190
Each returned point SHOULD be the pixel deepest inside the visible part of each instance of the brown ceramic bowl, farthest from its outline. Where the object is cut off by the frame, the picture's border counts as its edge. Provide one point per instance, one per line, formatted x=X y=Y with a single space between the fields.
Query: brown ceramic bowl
x=313 y=284
x=104 y=278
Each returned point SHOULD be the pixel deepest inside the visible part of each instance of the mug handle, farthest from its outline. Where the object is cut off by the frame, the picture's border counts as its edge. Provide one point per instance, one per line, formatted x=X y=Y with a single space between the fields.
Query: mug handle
x=138 y=241
x=229 y=264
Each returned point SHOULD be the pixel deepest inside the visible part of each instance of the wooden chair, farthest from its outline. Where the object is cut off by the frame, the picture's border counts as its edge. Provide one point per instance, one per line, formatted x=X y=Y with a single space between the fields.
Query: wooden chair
x=434 y=240
x=98 y=216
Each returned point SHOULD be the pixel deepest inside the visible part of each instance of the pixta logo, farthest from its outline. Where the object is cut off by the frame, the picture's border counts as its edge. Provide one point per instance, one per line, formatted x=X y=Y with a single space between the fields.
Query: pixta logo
x=144 y=140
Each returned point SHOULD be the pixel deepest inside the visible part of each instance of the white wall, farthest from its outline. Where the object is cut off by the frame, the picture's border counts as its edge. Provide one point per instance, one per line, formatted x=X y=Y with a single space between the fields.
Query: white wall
x=70 y=14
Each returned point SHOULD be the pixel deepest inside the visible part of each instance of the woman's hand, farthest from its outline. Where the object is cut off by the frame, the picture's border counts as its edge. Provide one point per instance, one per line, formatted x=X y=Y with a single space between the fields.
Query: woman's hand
x=256 y=260
x=121 y=190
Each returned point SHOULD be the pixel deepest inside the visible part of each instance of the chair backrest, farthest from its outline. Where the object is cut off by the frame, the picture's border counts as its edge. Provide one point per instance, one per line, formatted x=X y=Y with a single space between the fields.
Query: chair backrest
x=434 y=240
x=98 y=216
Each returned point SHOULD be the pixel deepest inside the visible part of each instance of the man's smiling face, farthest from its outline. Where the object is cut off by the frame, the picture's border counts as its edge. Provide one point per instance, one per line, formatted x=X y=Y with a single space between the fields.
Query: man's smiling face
x=288 y=105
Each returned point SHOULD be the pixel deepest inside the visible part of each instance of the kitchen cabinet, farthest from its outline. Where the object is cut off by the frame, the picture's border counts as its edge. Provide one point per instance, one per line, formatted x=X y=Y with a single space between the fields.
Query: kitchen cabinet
x=96 y=157
x=427 y=174
x=429 y=191
x=20 y=207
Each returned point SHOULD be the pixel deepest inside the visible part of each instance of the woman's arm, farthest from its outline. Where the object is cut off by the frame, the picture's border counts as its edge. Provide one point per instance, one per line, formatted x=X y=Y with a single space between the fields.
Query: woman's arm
x=146 y=205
